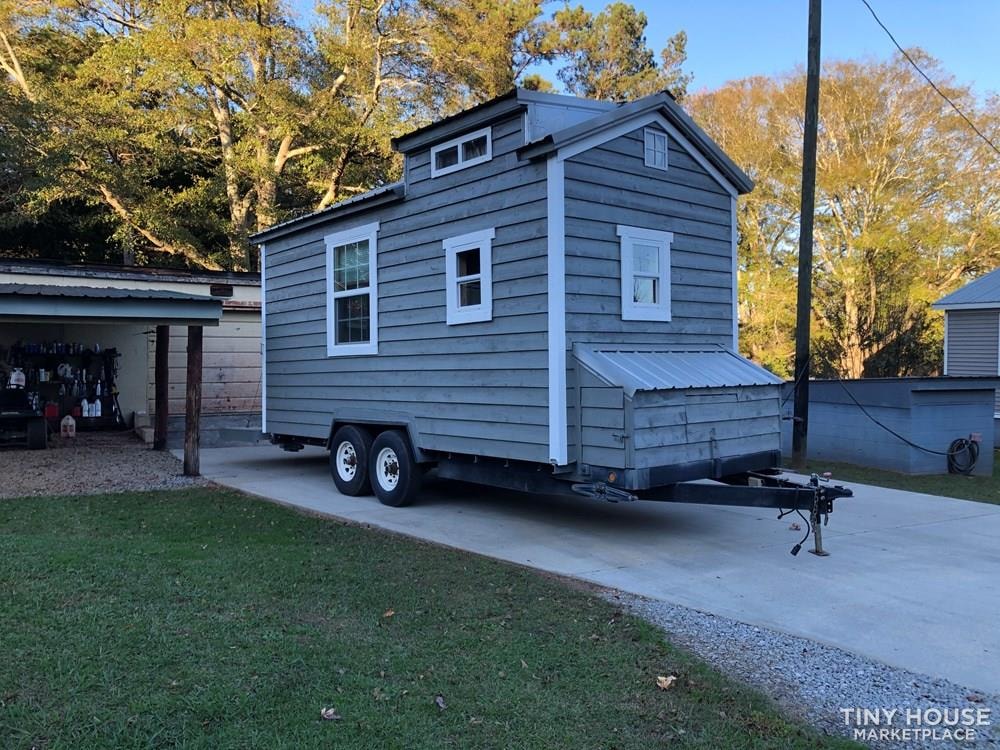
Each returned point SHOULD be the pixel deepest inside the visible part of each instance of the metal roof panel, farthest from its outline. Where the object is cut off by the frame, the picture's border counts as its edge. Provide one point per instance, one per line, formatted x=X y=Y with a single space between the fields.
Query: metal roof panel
x=634 y=368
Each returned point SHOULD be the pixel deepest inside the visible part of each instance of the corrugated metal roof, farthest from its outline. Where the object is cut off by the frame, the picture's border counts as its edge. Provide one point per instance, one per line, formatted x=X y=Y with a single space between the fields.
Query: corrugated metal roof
x=663 y=368
x=279 y=229
x=983 y=292
x=90 y=292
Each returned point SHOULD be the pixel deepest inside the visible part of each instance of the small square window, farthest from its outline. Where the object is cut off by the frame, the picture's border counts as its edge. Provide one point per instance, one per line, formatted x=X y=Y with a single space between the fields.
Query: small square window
x=655 y=148
x=645 y=273
x=447 y=157
x=470 y=293
x=468 y=263
x=474 y=148
x=469 y=277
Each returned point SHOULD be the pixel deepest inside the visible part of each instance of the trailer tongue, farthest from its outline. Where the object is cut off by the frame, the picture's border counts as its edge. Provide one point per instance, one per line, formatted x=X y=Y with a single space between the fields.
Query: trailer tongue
x=747 y=490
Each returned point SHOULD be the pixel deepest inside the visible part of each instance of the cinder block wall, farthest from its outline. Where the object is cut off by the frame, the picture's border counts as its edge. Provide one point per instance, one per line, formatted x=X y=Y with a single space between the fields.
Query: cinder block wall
x=931 y=412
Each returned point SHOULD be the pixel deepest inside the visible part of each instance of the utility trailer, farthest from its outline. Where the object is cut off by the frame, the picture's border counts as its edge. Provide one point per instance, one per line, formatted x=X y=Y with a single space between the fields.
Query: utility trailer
x=545 y=302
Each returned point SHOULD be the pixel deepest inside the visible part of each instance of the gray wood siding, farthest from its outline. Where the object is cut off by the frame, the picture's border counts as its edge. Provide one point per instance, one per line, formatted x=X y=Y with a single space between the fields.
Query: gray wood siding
x=974 y=344
x=679 y=426
x=610 y=185
x=602 y=428
x=475 y=388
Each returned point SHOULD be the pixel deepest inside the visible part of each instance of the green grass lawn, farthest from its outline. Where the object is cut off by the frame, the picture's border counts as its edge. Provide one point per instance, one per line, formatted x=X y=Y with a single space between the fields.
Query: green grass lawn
x=207 y=619
x=983 y=489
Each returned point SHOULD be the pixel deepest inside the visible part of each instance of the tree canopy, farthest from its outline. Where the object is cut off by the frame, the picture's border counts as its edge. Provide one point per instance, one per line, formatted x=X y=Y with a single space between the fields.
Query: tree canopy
x=167 y=132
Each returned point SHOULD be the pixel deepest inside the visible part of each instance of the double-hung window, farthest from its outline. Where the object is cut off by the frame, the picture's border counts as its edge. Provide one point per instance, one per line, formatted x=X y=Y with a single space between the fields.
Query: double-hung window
x=645 y=268
x=352 y=292
x=469 y=277
x=655 y=148
x=465 y=151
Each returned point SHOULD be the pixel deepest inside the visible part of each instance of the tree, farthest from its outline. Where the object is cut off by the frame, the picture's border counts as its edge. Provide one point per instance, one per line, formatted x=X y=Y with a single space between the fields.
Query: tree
x=607 y=56
x=907 y=207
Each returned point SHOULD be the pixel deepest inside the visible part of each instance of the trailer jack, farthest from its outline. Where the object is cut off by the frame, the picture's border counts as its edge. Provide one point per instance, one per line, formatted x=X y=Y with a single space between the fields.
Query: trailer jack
x=601 y=491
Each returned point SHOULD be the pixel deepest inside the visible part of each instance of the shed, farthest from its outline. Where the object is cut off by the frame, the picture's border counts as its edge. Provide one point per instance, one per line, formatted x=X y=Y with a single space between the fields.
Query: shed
x=972 y=330
x=231 y=358
x=26 y=305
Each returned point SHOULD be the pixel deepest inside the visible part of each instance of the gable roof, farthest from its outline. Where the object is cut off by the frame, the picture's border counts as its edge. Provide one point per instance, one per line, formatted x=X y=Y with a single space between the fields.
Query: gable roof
x=983 y=293
x=661 y=103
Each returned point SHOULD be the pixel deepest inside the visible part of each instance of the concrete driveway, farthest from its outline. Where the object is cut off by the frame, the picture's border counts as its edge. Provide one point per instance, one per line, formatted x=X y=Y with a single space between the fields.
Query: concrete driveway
x=913 y=580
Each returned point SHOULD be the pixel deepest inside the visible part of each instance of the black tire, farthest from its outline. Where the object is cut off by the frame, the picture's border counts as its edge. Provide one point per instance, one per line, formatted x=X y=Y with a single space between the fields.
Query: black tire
x=38 y=438
x=350 y=452
x=397 y=481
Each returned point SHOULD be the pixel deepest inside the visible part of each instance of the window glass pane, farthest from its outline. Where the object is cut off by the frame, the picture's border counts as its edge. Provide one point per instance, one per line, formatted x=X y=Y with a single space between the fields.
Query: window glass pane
x=645 y=258
x=350 y=266
x=353 y=319
x=645 y=291
x=475 y=147
x=469 y=294
x=446 y=157
x=468 y=262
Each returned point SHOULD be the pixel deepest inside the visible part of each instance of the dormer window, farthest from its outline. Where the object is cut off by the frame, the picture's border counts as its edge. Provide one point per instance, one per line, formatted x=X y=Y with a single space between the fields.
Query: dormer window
x=465 y=151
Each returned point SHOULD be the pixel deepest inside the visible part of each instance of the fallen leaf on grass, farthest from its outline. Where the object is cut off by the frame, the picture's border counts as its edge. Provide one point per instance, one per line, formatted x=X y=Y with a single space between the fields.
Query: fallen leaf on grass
x=330 y=714
x=389 y=613
x=439 y=702
x=665 y=683
x=524 y=664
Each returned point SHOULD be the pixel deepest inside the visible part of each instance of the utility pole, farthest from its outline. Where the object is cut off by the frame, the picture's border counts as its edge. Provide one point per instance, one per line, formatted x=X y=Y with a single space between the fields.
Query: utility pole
x=800 y=425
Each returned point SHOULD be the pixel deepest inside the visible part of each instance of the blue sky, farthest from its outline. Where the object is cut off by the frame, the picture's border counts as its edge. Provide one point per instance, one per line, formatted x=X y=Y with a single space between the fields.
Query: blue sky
x=730 y=39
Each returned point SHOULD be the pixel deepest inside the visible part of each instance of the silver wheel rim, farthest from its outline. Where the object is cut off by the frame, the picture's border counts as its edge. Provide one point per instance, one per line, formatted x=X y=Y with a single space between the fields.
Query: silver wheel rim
x=347 y=461
x=387 y=469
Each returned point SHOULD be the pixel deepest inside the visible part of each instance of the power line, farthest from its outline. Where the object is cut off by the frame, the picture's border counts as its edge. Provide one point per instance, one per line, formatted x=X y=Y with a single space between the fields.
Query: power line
x=916 y=67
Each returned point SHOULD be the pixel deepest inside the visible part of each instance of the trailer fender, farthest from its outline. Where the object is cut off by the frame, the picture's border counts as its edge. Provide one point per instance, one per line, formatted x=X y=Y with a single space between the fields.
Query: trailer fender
x=380 y=419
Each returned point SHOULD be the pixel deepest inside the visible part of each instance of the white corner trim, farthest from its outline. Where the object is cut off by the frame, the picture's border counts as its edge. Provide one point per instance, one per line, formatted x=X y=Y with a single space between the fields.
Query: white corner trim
x=263 y=341
x=483 y=312
x=364 y=232
x=632 y=310
x=634 y=123
x=944 y=368
x=556 y=229
x=457 y=142
x=736 y=287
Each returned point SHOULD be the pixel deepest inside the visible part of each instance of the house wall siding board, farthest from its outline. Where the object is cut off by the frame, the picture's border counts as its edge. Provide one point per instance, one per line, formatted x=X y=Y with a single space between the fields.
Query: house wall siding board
x=477 y=388
x=610 y=185
x=974 y=344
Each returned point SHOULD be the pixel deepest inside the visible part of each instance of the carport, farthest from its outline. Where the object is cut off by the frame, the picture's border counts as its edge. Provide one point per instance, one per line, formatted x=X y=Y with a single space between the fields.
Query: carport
x=22 y=304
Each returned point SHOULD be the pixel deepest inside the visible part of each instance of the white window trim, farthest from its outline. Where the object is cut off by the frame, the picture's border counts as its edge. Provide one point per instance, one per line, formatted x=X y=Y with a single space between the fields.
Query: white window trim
x=366 y=232
x=647 y=136
x=482 y=241
x=488 y=132
x=631 y=310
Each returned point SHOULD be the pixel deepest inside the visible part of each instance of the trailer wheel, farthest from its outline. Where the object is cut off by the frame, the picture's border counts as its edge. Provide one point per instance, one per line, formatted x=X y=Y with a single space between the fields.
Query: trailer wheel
x=395 y=476
x=37 y=437
x=350 y=450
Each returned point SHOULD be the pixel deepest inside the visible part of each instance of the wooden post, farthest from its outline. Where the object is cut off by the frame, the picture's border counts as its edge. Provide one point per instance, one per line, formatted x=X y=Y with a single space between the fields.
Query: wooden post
x=161 y=377
x=803 y=316
x=192 y=415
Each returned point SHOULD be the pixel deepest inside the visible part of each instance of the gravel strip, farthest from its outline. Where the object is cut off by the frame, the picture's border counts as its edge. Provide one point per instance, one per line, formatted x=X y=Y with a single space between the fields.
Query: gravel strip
x=812 y=681
x=93 y=463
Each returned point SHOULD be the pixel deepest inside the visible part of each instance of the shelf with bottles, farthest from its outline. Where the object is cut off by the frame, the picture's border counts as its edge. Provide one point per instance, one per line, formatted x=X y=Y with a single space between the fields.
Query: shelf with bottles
x=67 y=378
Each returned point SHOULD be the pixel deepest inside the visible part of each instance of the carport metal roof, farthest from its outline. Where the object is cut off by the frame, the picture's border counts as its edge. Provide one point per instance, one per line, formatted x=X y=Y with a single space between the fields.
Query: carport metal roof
x=48 y=303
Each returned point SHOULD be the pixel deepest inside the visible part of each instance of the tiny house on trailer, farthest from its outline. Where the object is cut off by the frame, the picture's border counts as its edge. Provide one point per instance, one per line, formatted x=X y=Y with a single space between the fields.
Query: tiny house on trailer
x=546 y=301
